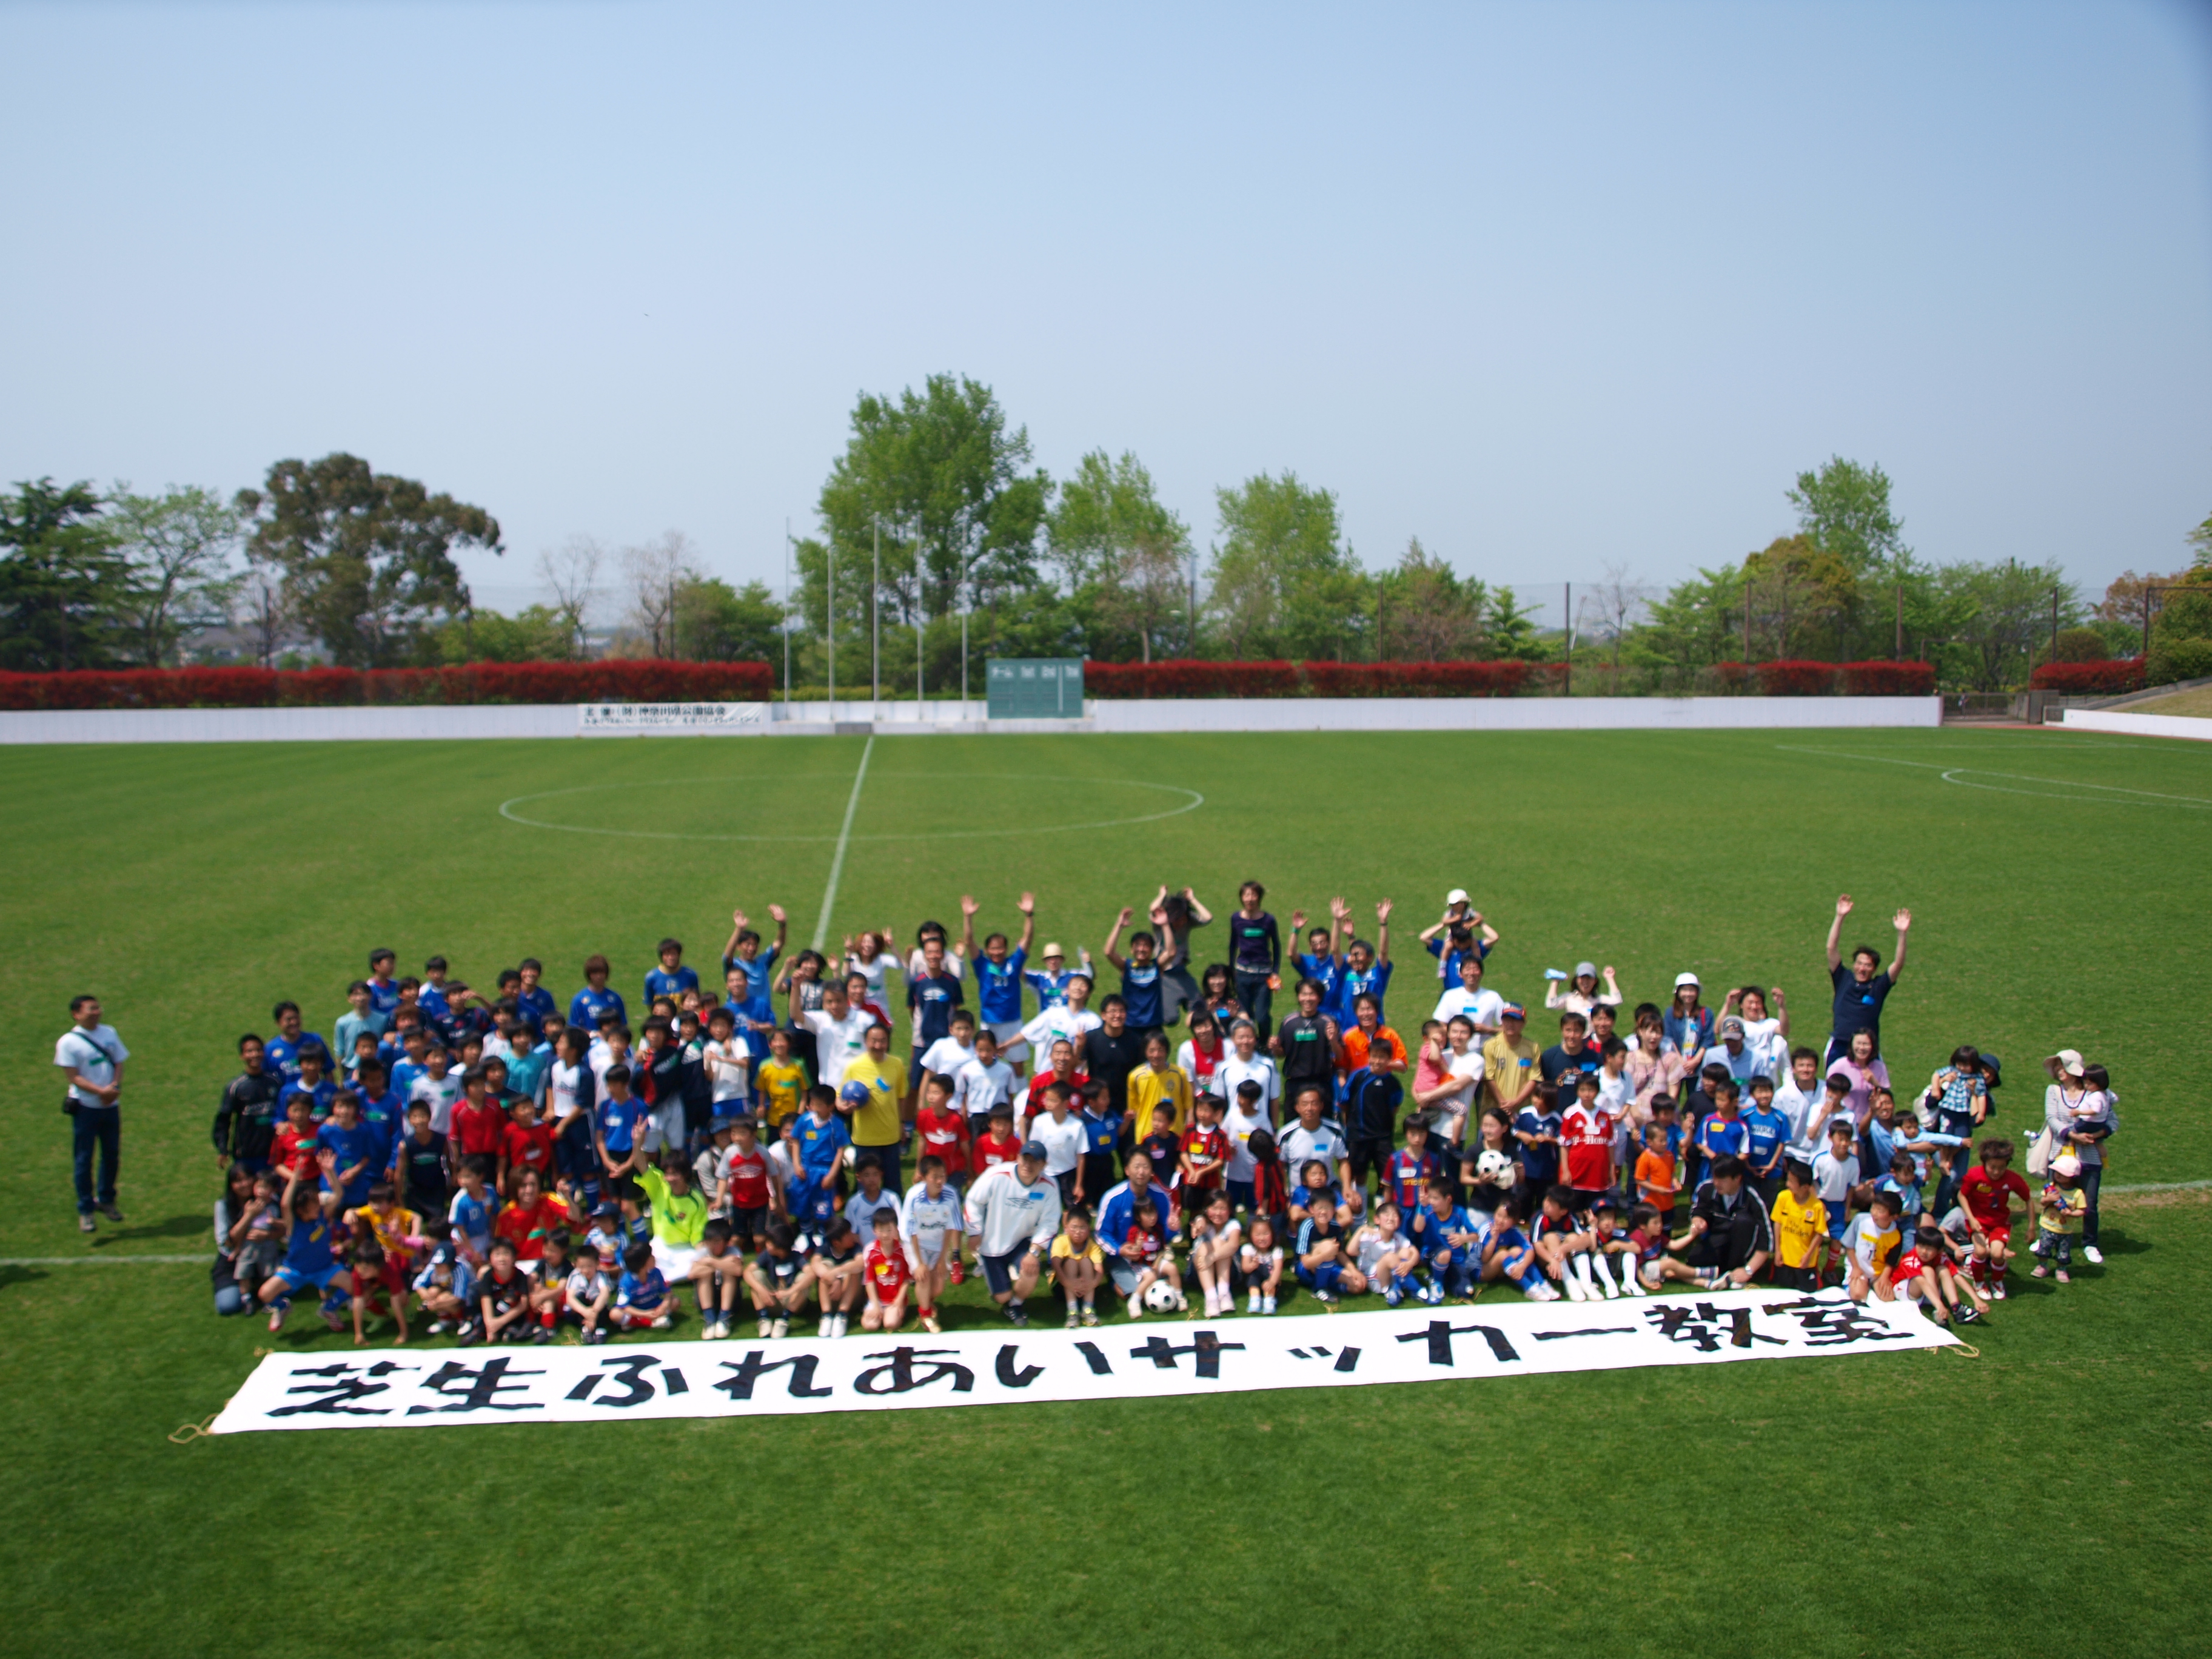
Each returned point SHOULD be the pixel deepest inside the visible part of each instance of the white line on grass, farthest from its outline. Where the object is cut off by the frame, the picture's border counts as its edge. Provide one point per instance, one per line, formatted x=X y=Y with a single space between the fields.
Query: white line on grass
x=1953 y=774
x=2158 y=1186
x=837 y=861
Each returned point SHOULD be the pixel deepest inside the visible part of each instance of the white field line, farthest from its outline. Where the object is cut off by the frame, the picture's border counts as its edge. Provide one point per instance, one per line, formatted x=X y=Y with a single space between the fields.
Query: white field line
x=844 y=837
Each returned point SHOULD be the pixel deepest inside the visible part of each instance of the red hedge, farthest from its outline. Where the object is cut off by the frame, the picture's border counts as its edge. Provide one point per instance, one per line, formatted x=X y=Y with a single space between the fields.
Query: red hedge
x=1314 y=679
x=2080 y=679
x=1795 y=679
x=1889 y=679
x=615 y=680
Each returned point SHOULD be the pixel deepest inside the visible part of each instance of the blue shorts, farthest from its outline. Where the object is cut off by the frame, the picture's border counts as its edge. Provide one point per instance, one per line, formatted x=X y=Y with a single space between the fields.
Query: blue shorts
x=1323 y=1278
x=1000 y=1271
x=292 y=1279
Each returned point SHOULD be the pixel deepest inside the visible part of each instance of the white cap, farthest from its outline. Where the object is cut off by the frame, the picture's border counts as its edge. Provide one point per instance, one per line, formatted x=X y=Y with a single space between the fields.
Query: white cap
x=1681 y=980
x=1457 y=896
x=2069 y=1061
x=1052 y=951
x=1589 y=968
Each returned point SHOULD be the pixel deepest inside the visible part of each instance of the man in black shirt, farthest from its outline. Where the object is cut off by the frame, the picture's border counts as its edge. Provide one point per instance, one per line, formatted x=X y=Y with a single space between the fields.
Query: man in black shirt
x=1731 y=1237
x=246 y=1122
x=1112 y=1052
x=1306 y=1045
x=1860 y=990
x=1571 y=1053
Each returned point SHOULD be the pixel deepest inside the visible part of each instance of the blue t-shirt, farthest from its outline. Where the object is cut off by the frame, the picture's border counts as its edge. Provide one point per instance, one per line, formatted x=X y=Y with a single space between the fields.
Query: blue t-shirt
x=1099 y=1133
x=645 y=1290
x=472 y=1217
x=937 y=995
x=1541 y=1163
x=536 y=1005
x=1765 y=1131
x=525 y=1073
x=1452 y=960
x=1051 y=988
x=1719 y=1137
x=1140 y=989
x=355 y=1145
x=308 y=1249
x=321 y=1095
x=999 y=987
x=619 y=1122
x=1375 y=983
x=281 y=1054
x=660 y=982
x=1428 y=1231
x=385 y=997
x=587 y=1004
x=1327 y=972
x=820 y=1143
x=1857 y=1007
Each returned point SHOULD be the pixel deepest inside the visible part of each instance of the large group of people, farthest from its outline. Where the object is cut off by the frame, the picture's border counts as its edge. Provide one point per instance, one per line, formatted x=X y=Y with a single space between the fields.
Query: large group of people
x=783 y=1147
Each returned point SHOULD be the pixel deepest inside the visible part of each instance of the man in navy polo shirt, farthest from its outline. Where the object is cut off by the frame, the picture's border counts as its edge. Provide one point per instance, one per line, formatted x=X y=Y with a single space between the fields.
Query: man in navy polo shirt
x=1860 y=989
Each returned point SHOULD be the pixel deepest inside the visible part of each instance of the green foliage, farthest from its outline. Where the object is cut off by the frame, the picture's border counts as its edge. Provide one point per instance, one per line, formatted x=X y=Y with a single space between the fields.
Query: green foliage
x=1125 y=555
x=2084 y=644
x=64 y=590
x=2178 y=660
x=716 y=623
x=959 y=508
x=366 y=557
x=2184 y=611
x=178 y=545
x=2005 y=614
x=538 y=633
x=1282 y=582
x=2201 y=539
x=1844 y=509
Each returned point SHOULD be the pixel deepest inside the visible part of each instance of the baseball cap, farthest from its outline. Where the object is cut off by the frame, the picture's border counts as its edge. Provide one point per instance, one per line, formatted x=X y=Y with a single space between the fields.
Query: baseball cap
x=1589 y=968
x=2066 y=1164
x=1681 y=980
x=1457 y=896
x=2069 y=1061
x=1731 y=1026
x=1605 y=1201
x=1034 y=1149
x=607 y=1209
x=1513 y=1011
x=1053 y=950
x=854 y=1093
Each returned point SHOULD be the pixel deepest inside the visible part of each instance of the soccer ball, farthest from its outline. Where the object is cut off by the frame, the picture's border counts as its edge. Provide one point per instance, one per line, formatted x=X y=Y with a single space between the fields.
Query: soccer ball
x=1160 y=1296
x=1494 y=1167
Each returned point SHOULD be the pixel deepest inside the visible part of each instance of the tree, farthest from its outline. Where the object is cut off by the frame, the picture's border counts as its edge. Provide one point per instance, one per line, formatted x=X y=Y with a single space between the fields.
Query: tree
x=2006 y=615
x=949 y=483
x=538 y=633
x=1281 y=581
x=1801 y=599
x=64 y=590
x=2201 y=539
x=572 y=574
x=366 y=557
x=652 y=570
x=1427 y=612
x=1844 y=509
x=716 y=623
x=1123 y=553
x=178 y=545
x=1616 y=603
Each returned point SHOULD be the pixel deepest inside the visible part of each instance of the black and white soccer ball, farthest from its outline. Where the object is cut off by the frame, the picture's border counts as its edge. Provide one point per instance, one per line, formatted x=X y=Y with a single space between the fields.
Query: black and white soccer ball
x=1160 y=1296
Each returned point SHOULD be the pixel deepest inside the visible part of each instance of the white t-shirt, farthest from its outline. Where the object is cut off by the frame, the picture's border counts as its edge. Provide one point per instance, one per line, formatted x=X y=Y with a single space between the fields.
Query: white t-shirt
x=1240 y=1127
x=561 y=1082
x=1835 y=1179
x=727 y=1065
x=1370 y=1246
x=945 y=1057
x=95 y=1055
x=1302 y=1146
x=1062 y=1142
x=839 y=1041
x=1060 y=1022
x=1483 y=1006
x=1618 y=1093
x=1804 y=1110
x=441 y=1092
x=1861 y=1237
x=976 y=1087
x=1763 y=1041
x=926 y=1220
x=1232 y=1071
x=874 y=971
x=1467 y=1068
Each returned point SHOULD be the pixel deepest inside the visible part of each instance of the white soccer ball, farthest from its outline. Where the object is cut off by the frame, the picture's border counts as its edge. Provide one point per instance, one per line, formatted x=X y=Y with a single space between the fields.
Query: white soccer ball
x=1160 y=1296
x=1494 y=1167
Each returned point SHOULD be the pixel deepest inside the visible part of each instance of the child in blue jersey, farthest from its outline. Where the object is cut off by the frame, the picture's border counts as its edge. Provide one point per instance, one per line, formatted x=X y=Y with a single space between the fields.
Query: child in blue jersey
x=673 y=978
x=383 y=989
x=1140 y=975
x=446 y=1285
x=597 y=997
x=1050 y=980
x=472 y=1210
x=1320 y=962
x=1406 y=1172
x=1537 y=1128
x=310 y=1259
x=1322 y=1267
x=1449 y=1241
x=1722 y=1133
x=642 y=1299
x=999 y=971
x=621 y=1121
x=1510 y=1254
x=354 y=1147
x=1366 y=969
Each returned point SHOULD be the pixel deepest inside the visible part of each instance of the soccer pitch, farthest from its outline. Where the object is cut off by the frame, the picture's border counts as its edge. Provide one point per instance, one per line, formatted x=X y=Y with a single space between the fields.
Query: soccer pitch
x=1924 y=1502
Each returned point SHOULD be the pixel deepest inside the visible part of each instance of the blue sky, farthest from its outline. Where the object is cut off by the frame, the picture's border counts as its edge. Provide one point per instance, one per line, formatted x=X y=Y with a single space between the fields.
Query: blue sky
x=1556 y=288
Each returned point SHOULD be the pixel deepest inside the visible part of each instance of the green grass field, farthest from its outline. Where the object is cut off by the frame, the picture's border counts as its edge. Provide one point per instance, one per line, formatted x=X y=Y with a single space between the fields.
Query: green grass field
x=2051 y=1490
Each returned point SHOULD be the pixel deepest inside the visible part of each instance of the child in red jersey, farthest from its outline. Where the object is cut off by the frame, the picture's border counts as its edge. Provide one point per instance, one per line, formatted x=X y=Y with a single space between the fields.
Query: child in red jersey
x=524 y=1144
x=1987 y=1194
x=886 y=1275
x=998 y=1145
x=1202 y=1165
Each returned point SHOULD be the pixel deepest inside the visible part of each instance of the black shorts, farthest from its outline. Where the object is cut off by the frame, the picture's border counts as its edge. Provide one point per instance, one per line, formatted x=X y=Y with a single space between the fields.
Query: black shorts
x=749 y=1221
x=1797 y=1279
x=1000 y=1271
x=1369 y=1153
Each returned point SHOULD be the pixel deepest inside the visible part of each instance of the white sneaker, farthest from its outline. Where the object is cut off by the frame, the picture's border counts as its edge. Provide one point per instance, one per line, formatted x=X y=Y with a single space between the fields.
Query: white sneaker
x=2093 y=1256
x=1252 y=1305
x=1136 y=1307
x=1541 y=1291
x=781 y=1328
x=1266 y=1305
x=1632 y=1284
x=1573 y=1287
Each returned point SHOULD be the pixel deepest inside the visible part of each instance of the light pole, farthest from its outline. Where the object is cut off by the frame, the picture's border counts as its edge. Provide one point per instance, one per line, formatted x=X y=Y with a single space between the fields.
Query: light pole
x=876 y=631
x=830 y=625
x=921 y=607
x=787 y=619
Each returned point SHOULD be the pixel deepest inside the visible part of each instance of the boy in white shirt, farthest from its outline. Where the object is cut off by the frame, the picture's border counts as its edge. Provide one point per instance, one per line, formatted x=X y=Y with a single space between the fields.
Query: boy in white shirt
x=982 y=1082
x=1835 y=1172
x=728 y=1061
x=1382 y=1257
x=948 y=1054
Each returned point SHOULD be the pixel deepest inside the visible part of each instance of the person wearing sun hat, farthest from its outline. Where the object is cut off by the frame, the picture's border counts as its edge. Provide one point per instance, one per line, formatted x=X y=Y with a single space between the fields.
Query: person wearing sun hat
x=1688 y=1023
x=2077 y=1115
x=1461 y=932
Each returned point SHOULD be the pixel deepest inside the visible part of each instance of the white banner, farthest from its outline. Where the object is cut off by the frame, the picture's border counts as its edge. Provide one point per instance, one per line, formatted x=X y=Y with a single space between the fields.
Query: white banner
x=409 y=1388
x=668 y=716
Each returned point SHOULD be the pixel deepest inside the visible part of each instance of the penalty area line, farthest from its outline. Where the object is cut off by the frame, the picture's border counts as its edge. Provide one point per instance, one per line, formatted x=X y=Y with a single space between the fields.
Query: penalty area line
x=844 y=838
